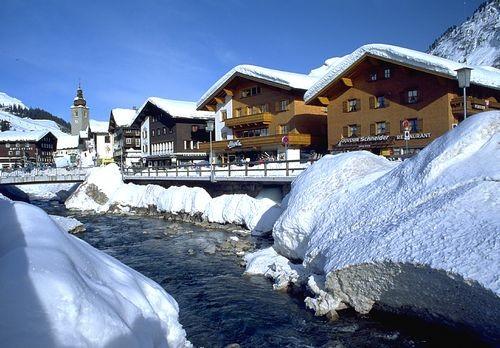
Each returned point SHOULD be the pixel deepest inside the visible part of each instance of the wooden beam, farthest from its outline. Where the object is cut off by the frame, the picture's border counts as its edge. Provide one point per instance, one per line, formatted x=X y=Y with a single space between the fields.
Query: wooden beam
x=347 y=81
x=324 y=100
x=210 y=107
x=219 y=100
x=228 y=92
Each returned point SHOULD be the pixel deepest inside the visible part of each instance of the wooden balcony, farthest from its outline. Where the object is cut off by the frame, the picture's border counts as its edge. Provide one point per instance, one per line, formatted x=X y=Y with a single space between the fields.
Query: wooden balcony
x=294 y=140
x=474 y=106
x=264 y=118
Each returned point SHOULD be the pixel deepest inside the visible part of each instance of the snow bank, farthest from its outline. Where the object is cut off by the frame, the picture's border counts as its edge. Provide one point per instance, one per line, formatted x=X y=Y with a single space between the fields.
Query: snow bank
x=56 y=290
x=47 y=191
x=104 y=190
x=423 y=235
x=68 y=224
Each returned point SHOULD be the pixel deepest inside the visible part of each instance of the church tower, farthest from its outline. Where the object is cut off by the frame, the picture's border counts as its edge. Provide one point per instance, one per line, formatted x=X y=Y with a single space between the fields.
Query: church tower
x=79 y=113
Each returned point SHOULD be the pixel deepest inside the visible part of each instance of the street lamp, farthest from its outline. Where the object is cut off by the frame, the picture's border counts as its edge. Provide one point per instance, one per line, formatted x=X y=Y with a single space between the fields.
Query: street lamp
x=463 y=76
x=210 y=128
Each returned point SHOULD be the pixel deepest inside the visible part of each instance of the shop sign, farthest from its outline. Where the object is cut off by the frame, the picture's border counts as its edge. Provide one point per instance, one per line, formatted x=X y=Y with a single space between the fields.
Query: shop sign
x=233 y=143
x=414 y=136
x=364 y=139
x=479 y=106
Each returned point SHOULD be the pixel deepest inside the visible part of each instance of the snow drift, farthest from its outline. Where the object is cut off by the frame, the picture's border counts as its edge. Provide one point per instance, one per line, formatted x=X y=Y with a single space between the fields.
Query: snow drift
x=421 y=236
x=104 y=190
x=58 y=291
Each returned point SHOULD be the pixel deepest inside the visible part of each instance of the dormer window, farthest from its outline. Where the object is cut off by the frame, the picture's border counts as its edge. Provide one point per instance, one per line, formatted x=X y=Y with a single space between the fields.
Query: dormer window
x=412 y=96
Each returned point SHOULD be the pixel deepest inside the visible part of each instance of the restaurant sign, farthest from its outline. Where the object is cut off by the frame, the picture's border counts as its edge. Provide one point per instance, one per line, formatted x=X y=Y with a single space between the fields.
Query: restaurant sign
x=414 y=136
x=234 y=143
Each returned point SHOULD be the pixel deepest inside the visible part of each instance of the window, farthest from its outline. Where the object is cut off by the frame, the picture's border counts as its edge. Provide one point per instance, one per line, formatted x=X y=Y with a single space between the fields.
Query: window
x=248 y=110
x=256 y=110
x=171 y=130
x=223 y=115
x=387 y=73
x=7 y=145
x=248 y=92
x=412 y=96
x=164 y=130
x=106 y=139
x=128 y=141
x=158 y=132
x=137 y=142
x=18 y=153
x=353 y=130
x=237 y=112
x=283 y=105
x=10 y=153
x=353 y=105
x=373 y=76
x=264 y=108
x=283 y=129
x=380 y=128
x=186 y=144
x=194 y=128
x=153 y=133
x=224 y=135
x=415 y=125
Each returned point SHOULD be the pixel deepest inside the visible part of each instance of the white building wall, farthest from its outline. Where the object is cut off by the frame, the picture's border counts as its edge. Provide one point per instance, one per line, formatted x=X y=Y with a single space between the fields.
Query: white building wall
x=104 y=150
x=145 y=138
x=220 y=126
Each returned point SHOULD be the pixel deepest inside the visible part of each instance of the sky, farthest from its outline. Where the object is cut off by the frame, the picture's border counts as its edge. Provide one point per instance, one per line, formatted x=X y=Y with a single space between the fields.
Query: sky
x=125 y=51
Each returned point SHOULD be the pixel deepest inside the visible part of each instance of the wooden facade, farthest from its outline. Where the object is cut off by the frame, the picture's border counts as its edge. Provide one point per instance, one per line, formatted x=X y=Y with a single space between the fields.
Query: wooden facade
x=21 y=153
x=172 y=138
x=367 y=105
x=261 y=115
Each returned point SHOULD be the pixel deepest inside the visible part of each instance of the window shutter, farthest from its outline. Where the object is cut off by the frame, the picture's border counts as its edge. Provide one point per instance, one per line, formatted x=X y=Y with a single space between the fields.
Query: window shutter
x=344 y=106
x=388 y=128
x=358 y=104
x=402 y=96
x=386 y=101
x=359 y=130
x=277 y=106
x=372 y=102
x=420 y=123
x=345 y=131
x=372 y=129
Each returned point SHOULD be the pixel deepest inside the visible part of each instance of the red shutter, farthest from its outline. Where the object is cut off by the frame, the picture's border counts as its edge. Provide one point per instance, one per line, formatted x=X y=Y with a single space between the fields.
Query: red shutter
x=372 y=102
x=372 y=129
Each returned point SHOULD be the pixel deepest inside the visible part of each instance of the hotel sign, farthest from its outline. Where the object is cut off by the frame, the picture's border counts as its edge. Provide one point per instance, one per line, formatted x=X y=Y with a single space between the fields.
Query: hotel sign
x=414 y=136
x=234 y=143
x=371 y=138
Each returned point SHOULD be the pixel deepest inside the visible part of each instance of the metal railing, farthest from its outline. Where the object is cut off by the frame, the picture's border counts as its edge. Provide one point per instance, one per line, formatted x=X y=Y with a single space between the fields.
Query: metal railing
x=34 y=175
x=259 y=169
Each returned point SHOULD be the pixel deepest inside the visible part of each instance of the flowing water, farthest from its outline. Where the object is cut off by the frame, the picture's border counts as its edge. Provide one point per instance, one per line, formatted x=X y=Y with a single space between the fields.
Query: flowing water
x=219 y=305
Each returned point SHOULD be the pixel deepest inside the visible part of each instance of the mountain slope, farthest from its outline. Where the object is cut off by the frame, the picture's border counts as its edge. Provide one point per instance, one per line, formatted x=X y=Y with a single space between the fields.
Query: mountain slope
x=475 y=41
x=6 y=100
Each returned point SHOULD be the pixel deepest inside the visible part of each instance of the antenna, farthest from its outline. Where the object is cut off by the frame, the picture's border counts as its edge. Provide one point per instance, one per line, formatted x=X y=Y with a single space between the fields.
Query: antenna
x=79 y=83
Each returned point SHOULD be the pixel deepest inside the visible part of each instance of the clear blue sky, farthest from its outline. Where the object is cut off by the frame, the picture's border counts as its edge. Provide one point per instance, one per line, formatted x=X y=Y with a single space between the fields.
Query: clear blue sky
x=125 y=51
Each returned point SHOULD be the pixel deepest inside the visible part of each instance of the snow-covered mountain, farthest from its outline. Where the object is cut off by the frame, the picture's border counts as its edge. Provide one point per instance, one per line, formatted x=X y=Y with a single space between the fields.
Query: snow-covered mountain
x=475 y=41
x=27 y=124
x=7 y=100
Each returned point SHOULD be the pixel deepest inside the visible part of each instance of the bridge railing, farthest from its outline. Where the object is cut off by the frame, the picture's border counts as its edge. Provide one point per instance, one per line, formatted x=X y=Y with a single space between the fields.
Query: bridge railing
x=46 y=172
x=247 y=169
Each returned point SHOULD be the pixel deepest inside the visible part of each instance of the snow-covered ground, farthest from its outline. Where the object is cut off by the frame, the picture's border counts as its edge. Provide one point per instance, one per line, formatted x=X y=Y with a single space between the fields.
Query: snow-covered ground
x=421 y=235
x=104 y=190
x=47 y=191
x=68 y=224
x=58 y=291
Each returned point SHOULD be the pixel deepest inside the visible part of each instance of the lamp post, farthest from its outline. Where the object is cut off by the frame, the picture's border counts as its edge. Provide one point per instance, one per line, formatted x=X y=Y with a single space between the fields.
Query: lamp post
x=210 y=129
x=463 y=76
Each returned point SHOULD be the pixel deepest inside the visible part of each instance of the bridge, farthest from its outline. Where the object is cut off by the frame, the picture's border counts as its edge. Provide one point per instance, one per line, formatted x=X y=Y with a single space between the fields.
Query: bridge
x=269 y=172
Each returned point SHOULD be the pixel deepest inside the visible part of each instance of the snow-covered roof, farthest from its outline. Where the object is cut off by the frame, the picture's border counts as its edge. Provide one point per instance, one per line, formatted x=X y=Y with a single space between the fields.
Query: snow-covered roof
x=483 y=76
x=123 y=117
x=99 y=126
x=84 y=134
x=67 y=142
x=22 y=136
x=276 y=77
x=177 y=108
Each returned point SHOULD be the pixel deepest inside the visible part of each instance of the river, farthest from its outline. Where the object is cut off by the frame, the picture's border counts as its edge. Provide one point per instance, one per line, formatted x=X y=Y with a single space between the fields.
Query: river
x=219 y=305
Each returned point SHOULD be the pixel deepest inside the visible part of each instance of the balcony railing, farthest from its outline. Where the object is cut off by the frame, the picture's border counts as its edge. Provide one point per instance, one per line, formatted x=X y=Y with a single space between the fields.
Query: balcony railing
x=257 y=141
x=262 y=118
x=474 y=105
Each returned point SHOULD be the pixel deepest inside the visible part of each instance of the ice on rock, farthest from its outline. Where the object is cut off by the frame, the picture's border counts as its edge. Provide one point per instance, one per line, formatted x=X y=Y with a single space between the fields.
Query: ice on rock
x=58 y=291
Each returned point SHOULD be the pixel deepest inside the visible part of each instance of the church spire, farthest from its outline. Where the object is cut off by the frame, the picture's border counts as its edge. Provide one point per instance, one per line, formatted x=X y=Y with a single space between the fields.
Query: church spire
x=79 y=100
